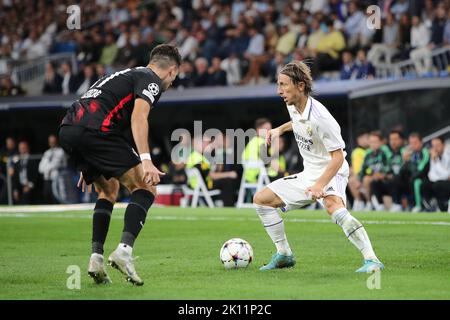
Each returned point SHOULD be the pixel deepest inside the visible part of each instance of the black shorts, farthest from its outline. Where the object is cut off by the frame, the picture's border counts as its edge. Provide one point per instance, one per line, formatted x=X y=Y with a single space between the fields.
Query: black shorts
x=97 y=154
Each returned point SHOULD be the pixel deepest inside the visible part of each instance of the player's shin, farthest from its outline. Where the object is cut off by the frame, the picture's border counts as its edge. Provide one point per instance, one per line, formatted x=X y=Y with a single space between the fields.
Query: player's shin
x=355 y=232
x=100 y=224
x=274 y=225
x=141 y=200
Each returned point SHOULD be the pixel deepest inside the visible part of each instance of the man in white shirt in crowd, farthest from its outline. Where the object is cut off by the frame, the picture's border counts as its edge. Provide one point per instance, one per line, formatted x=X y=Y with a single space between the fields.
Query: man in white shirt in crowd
x=54 y=159
x=421 y=54
x=438 y=183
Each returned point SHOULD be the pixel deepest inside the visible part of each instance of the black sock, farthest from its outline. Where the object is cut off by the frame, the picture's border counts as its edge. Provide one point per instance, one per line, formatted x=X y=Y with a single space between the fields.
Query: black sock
x=100 y=224
x=135 y=214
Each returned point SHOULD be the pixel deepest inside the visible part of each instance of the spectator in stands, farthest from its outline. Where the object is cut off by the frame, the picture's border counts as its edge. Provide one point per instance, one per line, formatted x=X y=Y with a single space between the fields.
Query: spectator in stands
x=53 y=160
x=33 y=47
x=348 y=66
x=109 y=51
x=69 y=81
x=240 y=40
x=88 y=79
x=314 y=38
x=390 y=44
x=365 y=33
x=352 y=25
x=438 y=26
x=446 y=39
x=201 y=76
x=256 y=148
x=420 y=53
x=217 y=77
x=232 y=67
x=438 y=183
x=363 y=68
x=395 y=179
x=373 y=172
x=275 y=66
x=126 y=56
x=357 y=160
x=328 y=50
x=185 y=76
x=8 y=88
x=416 y=165
x=53 y=81
x=302 y=38
x=100 y=71
x=399 y=7
x=148 y=43
x=24 y=175
x=287 y=41
x=255 y=55
x=405 y=36
x=187 y=43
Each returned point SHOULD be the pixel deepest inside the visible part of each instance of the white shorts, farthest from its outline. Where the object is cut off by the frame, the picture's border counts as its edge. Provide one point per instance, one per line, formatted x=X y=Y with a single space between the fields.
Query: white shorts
x=292 y=189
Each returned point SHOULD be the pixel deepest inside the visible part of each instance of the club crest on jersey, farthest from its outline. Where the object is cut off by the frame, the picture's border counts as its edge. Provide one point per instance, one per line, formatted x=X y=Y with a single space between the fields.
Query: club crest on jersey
x=309 y=131
x=153 y=88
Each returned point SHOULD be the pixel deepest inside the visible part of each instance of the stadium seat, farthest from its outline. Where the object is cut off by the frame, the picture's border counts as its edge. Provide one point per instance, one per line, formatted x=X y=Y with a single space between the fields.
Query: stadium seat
x=199 y=191
x=263 y=179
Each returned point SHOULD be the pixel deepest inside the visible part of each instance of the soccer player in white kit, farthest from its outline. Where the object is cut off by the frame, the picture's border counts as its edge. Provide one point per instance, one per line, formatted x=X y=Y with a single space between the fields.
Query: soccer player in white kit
x=325 y=173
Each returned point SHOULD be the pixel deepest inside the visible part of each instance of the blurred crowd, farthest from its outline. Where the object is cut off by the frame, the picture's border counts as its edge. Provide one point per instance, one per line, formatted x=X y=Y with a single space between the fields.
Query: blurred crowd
x=222 y=42
x=392 y=173
x=399 y=173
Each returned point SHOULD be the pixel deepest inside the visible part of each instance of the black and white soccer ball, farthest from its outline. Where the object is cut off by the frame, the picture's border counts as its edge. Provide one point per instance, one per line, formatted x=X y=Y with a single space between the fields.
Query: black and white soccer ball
x=236 y=253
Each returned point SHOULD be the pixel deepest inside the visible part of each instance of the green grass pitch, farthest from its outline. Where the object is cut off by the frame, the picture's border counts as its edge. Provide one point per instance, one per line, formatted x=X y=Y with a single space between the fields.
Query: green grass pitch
x=179 y=256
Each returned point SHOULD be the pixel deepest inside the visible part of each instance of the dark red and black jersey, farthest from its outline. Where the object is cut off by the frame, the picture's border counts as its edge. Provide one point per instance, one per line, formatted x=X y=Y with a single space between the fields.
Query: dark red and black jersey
x=109 y=102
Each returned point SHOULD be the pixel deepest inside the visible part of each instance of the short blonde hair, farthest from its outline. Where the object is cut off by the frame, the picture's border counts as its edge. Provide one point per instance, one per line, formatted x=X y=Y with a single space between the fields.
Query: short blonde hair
x=299 y=72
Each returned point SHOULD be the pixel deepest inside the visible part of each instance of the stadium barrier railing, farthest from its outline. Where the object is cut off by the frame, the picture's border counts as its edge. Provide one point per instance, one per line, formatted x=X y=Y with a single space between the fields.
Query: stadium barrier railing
x=407 y=69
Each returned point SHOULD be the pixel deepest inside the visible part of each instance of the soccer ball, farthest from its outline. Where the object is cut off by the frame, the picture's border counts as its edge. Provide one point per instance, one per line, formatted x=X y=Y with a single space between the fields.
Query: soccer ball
x=236 y=253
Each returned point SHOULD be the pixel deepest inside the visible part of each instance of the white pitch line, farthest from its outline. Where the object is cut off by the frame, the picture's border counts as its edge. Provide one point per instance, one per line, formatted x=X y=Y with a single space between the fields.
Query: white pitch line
x=215 y=218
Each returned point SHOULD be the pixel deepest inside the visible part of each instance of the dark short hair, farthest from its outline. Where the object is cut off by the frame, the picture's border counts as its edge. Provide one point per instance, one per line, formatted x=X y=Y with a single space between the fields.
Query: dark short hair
x=165 y=55
x=377 y=133
x=415 y=135
x=440 y=138
x=400 y=134
x=260 y=121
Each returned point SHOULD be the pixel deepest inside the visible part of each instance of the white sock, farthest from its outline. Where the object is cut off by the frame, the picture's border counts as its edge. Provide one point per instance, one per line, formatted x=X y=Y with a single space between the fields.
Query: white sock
x=274 y=226
x=355 y=232
x=125 y=248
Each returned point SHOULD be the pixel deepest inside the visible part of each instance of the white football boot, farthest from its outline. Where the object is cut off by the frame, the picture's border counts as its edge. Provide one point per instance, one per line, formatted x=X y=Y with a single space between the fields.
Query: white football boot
x=97 y=270
x=124 y=262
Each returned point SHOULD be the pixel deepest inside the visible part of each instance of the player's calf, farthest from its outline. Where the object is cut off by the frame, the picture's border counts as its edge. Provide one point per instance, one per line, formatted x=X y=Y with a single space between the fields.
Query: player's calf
x=135 y=216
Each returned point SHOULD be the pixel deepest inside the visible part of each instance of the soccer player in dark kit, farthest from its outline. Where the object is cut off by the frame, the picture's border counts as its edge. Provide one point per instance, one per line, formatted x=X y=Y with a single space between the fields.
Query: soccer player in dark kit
x=105 y=134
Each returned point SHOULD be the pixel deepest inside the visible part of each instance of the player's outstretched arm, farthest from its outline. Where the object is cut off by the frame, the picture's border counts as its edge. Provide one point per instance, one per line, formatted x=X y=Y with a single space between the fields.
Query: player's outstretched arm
x=276 y=132
x=139 y=127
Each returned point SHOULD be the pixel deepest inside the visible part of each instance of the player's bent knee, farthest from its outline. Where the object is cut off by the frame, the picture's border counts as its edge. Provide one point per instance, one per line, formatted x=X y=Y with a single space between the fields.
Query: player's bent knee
x=111 y=197
x=333 y=203
x=259 y=199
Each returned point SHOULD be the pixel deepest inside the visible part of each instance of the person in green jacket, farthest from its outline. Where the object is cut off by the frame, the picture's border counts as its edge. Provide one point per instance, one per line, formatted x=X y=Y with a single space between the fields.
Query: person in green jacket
x=374 y=170
x=397 y=183
x=416 y=166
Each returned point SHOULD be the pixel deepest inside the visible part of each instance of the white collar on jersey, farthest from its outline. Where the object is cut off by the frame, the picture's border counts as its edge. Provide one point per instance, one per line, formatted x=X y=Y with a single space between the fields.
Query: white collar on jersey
x=307 y=112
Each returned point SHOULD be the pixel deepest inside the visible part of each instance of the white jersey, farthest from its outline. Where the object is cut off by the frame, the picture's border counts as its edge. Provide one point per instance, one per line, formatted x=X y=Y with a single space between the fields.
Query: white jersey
x=317 y=134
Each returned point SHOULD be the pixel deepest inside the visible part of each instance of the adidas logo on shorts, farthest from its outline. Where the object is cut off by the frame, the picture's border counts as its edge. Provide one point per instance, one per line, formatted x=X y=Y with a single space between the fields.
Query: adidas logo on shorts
x=330 y=189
